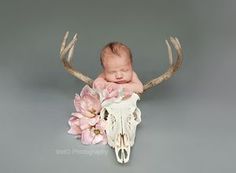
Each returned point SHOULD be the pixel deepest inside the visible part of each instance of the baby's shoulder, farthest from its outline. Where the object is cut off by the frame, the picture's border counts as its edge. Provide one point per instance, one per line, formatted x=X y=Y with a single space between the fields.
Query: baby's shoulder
x=101 y=75
x=135 y=77
x=134 y=74
x=99 y=78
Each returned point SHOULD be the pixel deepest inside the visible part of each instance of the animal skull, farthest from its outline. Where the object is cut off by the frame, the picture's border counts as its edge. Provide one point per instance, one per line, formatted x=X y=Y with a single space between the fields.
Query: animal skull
x=121 y=119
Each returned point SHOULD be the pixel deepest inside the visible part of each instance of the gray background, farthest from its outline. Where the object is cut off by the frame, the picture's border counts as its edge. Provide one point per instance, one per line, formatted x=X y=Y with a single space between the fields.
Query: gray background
x=188 y=122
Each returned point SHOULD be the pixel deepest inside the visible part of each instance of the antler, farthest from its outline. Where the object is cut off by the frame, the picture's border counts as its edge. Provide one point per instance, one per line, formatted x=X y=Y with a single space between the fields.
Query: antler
x=69 y=49
x=172 y=68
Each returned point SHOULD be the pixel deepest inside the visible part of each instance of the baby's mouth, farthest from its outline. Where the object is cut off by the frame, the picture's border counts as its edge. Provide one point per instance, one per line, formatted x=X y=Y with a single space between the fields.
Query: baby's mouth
x=121 y=82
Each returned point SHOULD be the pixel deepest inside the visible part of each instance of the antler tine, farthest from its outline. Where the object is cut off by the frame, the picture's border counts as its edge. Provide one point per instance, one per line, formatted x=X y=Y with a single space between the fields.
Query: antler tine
x=169 y=53
x=173 y=66
x=69 y=49
x=63 y=44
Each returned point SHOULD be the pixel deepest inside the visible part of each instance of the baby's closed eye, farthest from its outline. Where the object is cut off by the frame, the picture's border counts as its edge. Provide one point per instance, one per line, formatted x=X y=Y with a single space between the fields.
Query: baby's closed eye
x=125 y=70
x=111 y=72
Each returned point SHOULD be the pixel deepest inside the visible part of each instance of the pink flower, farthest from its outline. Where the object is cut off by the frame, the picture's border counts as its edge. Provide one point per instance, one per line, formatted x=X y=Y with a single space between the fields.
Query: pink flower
x=94 y=135
x=82 y=122
x=74 y=124
x=86 y=122
x=87 y=103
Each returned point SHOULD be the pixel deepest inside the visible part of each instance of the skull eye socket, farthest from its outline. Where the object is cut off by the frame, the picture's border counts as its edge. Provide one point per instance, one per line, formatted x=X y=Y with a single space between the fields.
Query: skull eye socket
x=106 y=114
x=135 y=115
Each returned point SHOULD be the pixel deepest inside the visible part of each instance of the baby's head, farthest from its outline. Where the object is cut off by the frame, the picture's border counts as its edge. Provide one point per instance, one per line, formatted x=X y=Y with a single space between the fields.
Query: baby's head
x=116 y=60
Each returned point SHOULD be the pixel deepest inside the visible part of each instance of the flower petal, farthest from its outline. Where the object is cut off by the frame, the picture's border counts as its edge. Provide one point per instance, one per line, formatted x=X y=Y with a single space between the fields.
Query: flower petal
x=74 y=126
x=73 y=120
x=84 y=123
x=87 y=90
x=102 y=124
x=77 y=114
x=80 y=107
x=94 y=120
x=86 y=137
x=98 y=138
x=74 y=130
x=104 y=141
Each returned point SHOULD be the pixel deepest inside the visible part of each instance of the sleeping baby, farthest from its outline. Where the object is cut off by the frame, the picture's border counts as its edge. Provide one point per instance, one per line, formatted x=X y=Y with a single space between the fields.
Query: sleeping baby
x=118 y=73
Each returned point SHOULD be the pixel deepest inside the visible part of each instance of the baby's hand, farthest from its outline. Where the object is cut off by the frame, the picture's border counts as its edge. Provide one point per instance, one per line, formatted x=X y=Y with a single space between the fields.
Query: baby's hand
x=112 y=90
x=117 y=89
x=112 y=86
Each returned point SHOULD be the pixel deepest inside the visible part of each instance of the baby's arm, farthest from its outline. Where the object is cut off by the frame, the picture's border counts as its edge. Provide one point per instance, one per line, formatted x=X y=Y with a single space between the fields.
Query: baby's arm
x=100 y=82
x=135 y=85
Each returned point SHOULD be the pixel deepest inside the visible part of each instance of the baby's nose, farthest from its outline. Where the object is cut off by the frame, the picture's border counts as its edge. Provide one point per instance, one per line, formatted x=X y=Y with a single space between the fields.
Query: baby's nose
x=119 y=75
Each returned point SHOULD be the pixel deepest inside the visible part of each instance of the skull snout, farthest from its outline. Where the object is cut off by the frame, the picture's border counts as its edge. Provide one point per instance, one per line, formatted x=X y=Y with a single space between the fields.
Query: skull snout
x=122 y=148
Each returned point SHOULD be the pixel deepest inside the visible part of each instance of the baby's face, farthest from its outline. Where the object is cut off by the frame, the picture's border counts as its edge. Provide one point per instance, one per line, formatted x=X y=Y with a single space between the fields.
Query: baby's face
x=117 y=69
